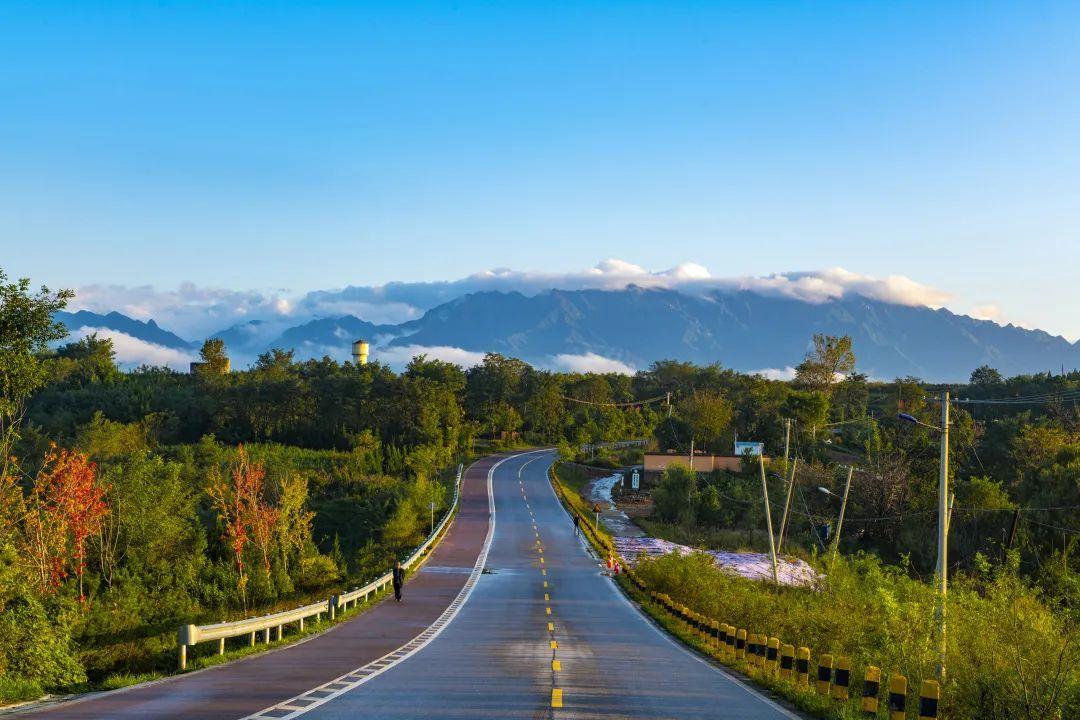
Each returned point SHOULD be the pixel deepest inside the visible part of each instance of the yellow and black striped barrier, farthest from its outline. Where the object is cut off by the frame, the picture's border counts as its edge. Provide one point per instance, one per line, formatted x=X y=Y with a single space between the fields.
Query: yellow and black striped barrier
x=897 y=697
x=871 y=688
x=772 y=655
x=802 y=666
x=751 y=648
x=841 y=678
x=929 y=696
x=787 y=661
x=824 y=674
x=731 y=640
x=740 y=643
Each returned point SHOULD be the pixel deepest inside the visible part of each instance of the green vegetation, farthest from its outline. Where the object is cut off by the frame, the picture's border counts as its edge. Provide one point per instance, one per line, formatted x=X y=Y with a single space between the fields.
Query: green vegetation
x=1012 y=652
x=133 y=501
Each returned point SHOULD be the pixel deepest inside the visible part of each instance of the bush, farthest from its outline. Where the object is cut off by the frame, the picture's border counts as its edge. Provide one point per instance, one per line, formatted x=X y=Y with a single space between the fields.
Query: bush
x=1010 y=654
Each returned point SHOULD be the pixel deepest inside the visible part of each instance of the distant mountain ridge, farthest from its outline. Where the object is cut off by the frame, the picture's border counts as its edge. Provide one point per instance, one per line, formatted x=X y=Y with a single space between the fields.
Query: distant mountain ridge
x=147 y=330
x=743 y=330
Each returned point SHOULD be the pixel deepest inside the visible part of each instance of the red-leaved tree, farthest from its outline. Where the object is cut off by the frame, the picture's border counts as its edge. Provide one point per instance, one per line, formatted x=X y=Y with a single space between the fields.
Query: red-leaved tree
x=66 y=506
x=246 y=515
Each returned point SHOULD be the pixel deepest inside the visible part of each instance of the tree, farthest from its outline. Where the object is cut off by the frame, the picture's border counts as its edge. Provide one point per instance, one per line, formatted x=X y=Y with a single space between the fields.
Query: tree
x=214 y=359
x=986 y=376
x=26 y=329
x=246 y=515
x=830 y=357
x=708 y=415
x=67 y=505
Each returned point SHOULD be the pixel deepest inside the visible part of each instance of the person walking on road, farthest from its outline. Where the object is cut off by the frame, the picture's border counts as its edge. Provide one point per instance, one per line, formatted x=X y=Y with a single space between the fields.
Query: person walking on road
x=577 y=525
x=399 y=580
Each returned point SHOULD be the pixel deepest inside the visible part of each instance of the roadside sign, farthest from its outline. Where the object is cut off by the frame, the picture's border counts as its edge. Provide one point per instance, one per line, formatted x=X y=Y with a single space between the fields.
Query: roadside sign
x=635 y=480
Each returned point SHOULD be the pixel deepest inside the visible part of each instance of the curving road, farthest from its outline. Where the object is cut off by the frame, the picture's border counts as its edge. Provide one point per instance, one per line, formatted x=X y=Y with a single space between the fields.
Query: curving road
x=541 y=633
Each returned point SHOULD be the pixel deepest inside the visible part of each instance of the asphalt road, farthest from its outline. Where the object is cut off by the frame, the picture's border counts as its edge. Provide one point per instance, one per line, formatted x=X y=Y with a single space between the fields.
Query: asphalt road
x=500 y=657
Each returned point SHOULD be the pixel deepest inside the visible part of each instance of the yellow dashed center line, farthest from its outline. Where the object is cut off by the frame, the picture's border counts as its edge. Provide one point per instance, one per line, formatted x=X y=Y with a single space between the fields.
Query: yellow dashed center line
x=554 y=645
x=551 y=627
x=556 y=697
x=556 y=666
x=547 y=597
x=548 y=611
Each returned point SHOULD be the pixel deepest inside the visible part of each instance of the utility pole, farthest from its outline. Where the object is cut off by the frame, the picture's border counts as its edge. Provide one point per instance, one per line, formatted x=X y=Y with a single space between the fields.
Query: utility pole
x=669 y=403
x=843 y=507
x=768 y=521
x=787 y=504
x=943 y=533
x=787 y=439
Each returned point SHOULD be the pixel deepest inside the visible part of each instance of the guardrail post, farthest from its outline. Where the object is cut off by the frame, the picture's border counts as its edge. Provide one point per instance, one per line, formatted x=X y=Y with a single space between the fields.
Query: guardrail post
x=802 y=666
x=824 y=674
x=928 y=700
x=185 y=635
x=301 y=624
x=221 y=646
x=251 y=640
x=897 y=697
x=740 y=643
x=730 y=640
x=870 y=689
x=751 y=648
x=279 y=632
x=772 y=655
x=787 y=661
x=841 y=678
x=331 y=604
x=266 y=636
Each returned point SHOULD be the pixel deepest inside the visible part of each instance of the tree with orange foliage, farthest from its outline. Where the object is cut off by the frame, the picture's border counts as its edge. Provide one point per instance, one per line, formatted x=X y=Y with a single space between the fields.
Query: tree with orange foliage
x=247 y=516
x=66 y=506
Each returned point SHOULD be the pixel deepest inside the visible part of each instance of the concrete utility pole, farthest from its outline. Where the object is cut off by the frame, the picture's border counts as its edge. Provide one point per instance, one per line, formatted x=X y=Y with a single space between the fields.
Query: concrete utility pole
x=787 y=439
x=943 y=532
x=787 y=505
x=768 y=521
x=843 y=507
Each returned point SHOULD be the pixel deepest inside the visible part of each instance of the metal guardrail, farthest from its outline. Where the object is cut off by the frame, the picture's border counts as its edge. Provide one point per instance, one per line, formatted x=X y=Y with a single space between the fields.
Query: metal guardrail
x=190 y=635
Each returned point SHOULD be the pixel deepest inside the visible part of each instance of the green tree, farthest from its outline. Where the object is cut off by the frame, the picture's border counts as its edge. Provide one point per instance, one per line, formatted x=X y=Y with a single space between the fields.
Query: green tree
x=214 y=359
x=708 y=415
x=830 y=357
x=26 y=329
x=986 y=376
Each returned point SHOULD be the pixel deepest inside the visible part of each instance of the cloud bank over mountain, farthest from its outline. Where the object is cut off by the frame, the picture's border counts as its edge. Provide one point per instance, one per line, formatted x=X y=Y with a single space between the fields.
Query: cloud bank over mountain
x=196 y=312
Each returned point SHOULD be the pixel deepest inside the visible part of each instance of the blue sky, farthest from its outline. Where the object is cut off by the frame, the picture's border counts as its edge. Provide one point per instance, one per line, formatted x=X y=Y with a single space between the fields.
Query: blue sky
x=310 y=145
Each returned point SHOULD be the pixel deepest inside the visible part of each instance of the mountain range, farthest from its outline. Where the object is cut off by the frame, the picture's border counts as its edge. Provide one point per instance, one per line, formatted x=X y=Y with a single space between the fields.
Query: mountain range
x=635 y=326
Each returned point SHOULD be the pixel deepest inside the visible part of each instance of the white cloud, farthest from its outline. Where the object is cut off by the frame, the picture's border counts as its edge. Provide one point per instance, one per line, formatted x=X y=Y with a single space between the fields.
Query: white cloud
x=787 y=373
x=196 y=312
x=132 y=352
x=591 y=363
x=400 y=356
x=988 y=311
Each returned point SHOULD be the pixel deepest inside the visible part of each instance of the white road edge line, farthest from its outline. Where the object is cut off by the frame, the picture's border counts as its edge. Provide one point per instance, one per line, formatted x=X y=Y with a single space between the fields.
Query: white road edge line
x=428 y=635
x=675 y=643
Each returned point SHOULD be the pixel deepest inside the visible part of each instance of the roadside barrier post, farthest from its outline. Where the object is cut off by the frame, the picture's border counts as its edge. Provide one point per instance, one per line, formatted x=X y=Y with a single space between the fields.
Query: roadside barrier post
x=897 y=697
x=802 y=666
x=752 y=648
x=740 y=643
x=841 y=678
x=187 y=635
x=772 y=655
x=731 y=640
x=787 y=661
x=928 y=700
x=824 y=674
x=870 y=689
x=221 y=646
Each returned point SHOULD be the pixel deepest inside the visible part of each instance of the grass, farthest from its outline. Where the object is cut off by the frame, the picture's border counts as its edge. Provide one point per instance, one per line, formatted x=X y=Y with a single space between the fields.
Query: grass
x=13 y=690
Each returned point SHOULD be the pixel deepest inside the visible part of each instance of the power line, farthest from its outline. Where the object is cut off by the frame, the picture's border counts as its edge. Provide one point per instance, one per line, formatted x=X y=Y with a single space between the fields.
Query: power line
x=613 y=404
